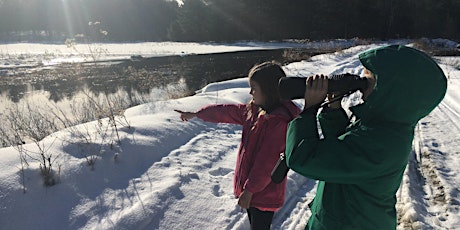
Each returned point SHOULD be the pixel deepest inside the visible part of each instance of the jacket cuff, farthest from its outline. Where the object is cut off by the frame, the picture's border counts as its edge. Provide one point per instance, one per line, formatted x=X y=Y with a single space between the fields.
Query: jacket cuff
x=313 y=110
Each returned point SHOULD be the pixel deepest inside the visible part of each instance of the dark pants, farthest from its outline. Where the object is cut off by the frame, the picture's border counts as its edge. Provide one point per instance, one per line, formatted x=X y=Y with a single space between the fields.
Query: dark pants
x=260 y=220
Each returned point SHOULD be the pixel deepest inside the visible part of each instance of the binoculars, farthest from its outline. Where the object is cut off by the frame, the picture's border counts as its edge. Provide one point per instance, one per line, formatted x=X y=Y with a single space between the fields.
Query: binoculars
x=294 y=87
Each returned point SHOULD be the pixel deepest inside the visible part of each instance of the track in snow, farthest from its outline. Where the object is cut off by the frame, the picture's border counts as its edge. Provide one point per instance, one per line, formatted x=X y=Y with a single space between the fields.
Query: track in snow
x=206 y=179
x=429 y=199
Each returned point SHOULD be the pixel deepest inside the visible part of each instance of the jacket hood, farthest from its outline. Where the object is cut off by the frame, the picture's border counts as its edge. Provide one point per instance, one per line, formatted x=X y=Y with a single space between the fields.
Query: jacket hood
x=409 y=84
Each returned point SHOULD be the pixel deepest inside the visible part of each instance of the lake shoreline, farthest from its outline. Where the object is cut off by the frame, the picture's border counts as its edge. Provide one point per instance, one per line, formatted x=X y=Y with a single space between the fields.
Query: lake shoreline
x=142 y=74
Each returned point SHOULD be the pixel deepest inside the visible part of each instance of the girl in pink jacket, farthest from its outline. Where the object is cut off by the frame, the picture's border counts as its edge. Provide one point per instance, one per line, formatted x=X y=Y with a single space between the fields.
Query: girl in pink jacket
x=264 y=119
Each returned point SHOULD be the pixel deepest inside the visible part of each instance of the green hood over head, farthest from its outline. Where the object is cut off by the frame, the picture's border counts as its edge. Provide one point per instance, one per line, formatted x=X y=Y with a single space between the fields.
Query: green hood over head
x=410 y=84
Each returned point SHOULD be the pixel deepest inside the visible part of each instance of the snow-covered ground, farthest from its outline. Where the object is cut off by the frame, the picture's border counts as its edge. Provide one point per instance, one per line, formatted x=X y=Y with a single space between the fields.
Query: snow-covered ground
x=169 y=174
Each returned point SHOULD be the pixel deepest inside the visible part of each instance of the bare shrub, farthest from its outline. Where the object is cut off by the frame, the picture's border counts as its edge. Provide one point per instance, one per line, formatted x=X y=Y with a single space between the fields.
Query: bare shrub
x=32 y=128
x=107 y=112
x=294 y=55
x=175 y=90
x=26 y=123
x=437 y=47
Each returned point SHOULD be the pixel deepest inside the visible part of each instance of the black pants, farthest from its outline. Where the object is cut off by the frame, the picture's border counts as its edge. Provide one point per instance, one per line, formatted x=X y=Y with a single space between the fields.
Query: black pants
x=260 y=220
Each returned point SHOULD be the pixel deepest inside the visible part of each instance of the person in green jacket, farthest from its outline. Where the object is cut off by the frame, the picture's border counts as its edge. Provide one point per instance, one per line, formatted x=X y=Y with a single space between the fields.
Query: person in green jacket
x=360 y=164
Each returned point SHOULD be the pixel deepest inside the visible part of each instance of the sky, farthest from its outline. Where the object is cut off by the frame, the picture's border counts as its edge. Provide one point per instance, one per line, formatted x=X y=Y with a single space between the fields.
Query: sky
x=170 y=174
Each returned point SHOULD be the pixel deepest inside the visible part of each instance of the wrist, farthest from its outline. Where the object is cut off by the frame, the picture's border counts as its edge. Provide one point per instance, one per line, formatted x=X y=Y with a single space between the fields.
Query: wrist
x=334 y=105
x=310 y=110
x=248 y=193
x=330 y=109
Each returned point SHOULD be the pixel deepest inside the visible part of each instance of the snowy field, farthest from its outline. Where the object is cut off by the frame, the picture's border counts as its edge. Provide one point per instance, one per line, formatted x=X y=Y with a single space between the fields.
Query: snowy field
x=169 y=174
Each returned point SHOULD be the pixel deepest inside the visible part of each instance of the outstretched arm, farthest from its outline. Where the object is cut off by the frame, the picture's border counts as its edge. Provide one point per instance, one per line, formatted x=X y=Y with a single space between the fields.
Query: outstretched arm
x=218 y=113
x=185 y=116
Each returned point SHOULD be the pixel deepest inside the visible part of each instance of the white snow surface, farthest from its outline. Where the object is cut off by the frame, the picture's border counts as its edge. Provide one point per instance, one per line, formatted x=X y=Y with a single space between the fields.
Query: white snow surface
x=170 y=174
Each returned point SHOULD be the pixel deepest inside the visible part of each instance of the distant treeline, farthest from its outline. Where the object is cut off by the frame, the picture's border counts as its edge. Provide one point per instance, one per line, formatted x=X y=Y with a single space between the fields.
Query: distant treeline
x=226 y=20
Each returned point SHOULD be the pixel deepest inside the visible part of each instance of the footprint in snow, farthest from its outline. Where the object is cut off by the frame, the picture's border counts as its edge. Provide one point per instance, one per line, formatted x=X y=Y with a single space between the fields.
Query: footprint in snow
x=216 y=191
x=220 y=171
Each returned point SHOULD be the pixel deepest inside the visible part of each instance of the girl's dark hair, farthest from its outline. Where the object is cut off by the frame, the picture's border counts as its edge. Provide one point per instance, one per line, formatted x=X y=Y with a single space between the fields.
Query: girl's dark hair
x=267 y=75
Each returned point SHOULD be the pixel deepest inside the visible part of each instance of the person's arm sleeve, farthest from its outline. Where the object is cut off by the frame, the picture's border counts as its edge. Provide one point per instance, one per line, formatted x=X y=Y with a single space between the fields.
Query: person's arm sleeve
x=267 y=155
x=361 y=154
x=333 y=122
x=224 y=113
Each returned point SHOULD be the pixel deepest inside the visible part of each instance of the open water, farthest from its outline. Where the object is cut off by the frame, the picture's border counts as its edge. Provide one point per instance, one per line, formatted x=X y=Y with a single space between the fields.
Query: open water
x=57 y=74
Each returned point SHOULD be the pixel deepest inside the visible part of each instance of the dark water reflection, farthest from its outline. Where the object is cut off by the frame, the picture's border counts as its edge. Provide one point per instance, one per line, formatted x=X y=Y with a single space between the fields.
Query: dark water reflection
x=133 y=76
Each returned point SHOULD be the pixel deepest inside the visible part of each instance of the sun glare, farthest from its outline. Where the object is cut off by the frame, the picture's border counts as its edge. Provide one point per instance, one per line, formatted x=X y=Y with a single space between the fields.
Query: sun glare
x=68 y=18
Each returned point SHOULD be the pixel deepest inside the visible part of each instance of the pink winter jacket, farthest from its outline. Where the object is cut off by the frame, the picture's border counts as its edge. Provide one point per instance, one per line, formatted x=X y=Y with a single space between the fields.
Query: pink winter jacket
x=263 y=139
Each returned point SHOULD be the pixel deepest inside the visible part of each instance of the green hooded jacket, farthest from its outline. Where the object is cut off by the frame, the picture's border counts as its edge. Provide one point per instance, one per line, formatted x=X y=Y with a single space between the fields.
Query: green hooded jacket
x=360 y=165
